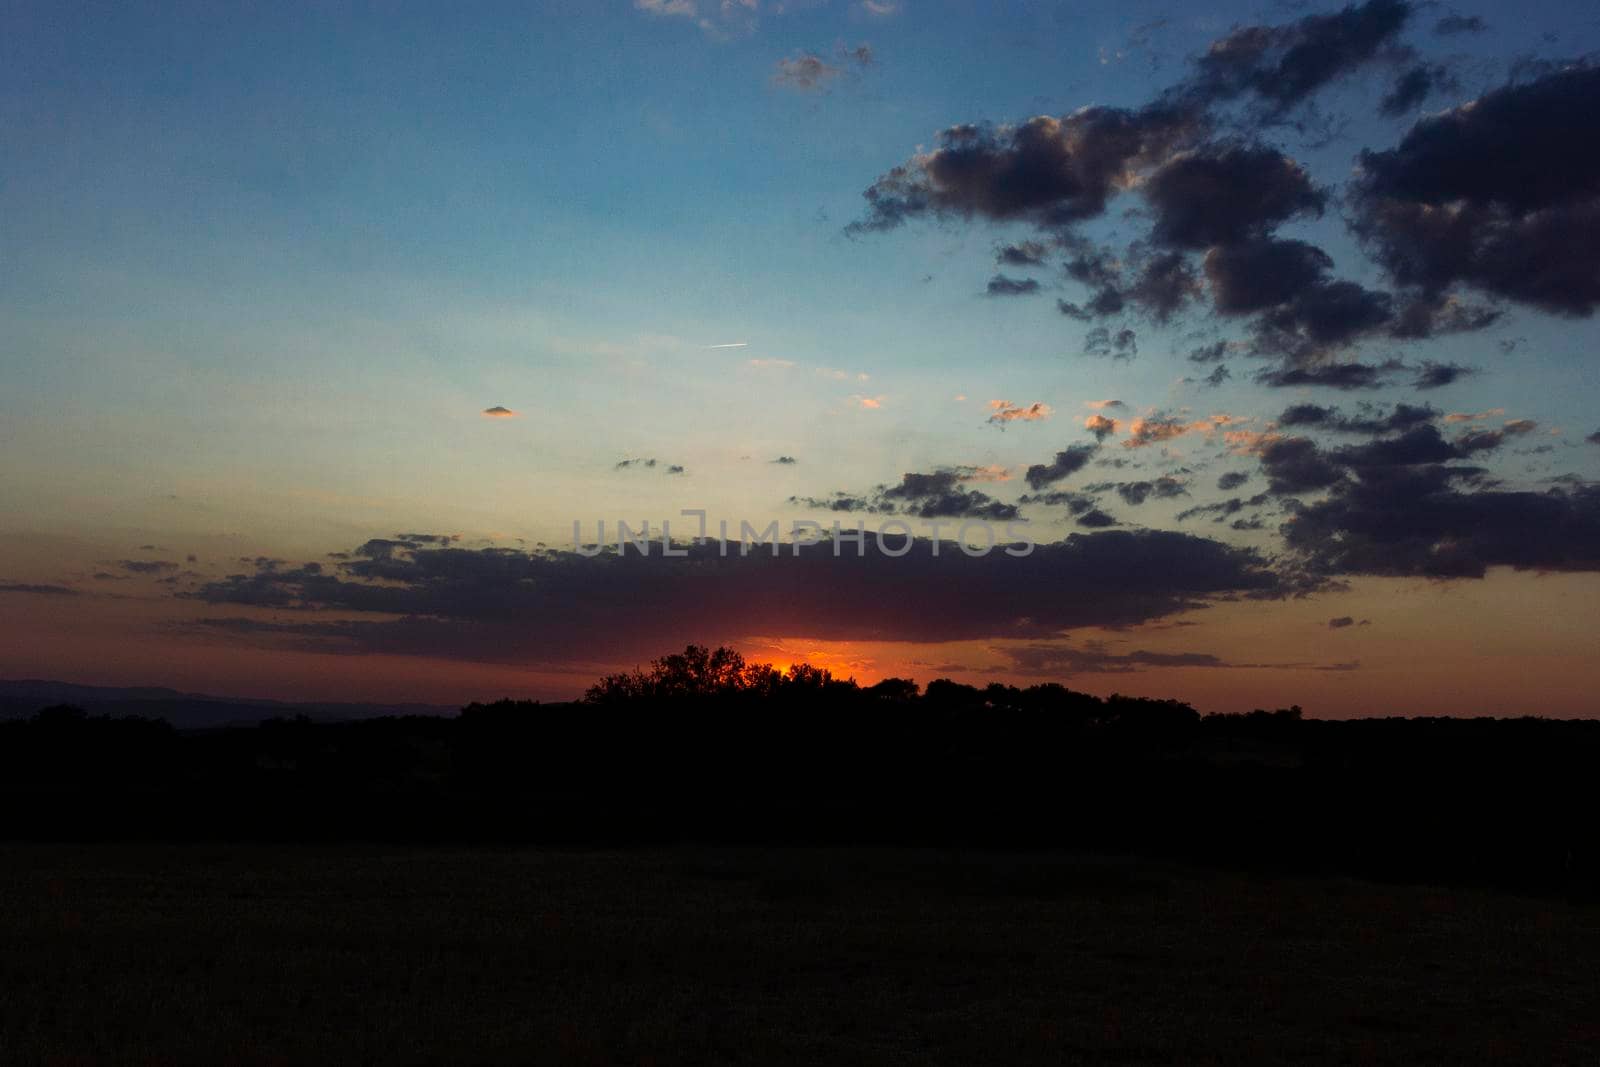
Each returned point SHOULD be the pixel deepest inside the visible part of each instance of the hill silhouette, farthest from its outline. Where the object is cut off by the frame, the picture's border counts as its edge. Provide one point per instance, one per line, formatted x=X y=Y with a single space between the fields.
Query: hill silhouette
x=704 y=746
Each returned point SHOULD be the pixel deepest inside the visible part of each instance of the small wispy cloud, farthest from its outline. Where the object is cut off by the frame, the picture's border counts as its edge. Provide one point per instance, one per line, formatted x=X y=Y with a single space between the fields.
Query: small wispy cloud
x=777 y=364
x=1005 y=411
x=808 y=72
x=732 y=344
x=498 y=412
x=870 y=403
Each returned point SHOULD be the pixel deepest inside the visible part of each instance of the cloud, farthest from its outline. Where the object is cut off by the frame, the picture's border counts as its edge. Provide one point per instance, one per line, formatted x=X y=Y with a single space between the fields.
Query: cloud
x=1501 y=195
x=38 y=590
x=1107 y=405
x=498 y=412
x=1100 y=341
x=648 y=464
x=1022 y=254
x=1433 y=375
x=1296 y=465
x=787 y=461
x=1000 y=285
x=676 y=8
x=1005 y=411
x=1413 y=86
x=770 y=364
x=146 y=566
x=1594 y=438
x=1093 y=657
x=939 y=494
x=1341 y=622
x=1415 y=521
x=1332 y=375
x=1101 y=426
x=1282 y=66
x=544 y=606
x=1222 y=194
x=1067 y=462
x=1160 y=427
x=867 y=403
x=1165 y=487
x=1451 y=25
x=1232 y=480
x=1370 y=420
x=1049 y=171
x=808 y=72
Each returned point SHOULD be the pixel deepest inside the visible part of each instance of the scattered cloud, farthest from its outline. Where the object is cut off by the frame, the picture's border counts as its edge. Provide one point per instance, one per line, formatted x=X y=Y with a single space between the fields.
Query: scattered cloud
x=1004 y=411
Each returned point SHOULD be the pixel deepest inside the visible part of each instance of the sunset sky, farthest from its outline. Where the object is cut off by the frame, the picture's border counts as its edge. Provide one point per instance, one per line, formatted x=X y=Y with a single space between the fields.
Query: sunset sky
x=1272 y=325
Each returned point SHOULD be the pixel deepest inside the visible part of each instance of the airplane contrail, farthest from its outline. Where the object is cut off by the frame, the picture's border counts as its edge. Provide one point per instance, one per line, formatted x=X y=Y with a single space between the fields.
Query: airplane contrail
x=735 y=344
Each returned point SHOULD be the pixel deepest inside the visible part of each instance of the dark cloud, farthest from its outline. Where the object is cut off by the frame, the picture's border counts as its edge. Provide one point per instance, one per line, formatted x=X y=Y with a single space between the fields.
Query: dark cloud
x=1413 y=86
x=1415 y=520
x=1225 y=509
x=1433 y=314
x=1060 y=660
x=1594 y=438
x=1324 y=317
x=1165 y=487
x=649 y=464
x=1118 y=344
x=1281 y=66
x=1164 y=285
x=1050 y=171
x=1095 y=519
x=1000 y=285
x=1218 y=375
x=1457 y=24
x=939 y=494
x=1332 y=375
x=1296 y=465
x=1232 y=480
x=38 y=590
x=1209 y=353
x=1433 y=375
x=1368 y=420
x=787 y=461
x=546 y=606
x=1502 y=195
x=1262 y=274
x=1067 y=462
x=1022 y=254
x=1341 y=622
x=1075 y=503
x=1224 y=194
x=146 y=566
x=1425 y=444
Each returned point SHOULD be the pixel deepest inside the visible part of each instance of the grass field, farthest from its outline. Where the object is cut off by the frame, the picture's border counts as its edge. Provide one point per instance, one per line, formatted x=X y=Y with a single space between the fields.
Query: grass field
x=263 y=954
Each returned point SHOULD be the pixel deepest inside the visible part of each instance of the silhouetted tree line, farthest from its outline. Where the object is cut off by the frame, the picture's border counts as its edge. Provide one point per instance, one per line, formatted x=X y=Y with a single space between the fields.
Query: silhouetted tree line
x=704 y=746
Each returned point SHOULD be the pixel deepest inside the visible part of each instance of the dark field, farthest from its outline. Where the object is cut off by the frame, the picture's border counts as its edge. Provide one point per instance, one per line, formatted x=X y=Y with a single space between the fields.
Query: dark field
x=281 y=954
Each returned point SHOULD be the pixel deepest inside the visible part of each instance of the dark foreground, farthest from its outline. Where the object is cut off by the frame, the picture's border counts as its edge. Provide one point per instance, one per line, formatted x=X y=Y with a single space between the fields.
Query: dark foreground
x=282 y=954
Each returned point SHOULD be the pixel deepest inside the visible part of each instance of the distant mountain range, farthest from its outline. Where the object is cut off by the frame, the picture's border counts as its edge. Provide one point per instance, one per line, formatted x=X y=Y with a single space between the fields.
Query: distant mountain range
x=20 y=698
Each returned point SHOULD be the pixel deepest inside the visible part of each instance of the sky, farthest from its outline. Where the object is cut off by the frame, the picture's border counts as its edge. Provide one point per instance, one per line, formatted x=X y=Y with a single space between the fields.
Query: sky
x=1271 y=328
